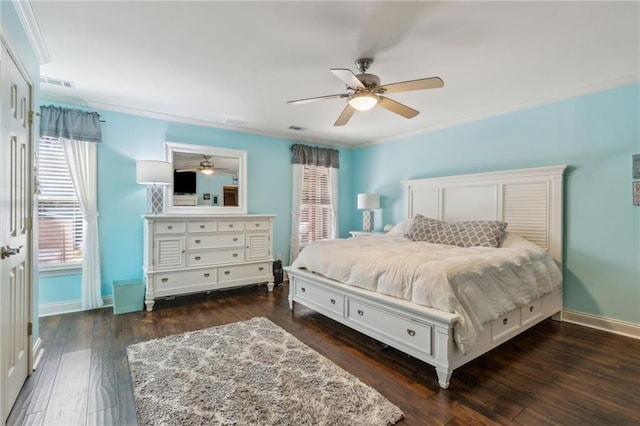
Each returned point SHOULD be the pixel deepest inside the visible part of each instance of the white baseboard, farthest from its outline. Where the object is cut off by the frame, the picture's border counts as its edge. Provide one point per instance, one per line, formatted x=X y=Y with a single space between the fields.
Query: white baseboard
x=38 y=351
x=66 y=307
x=624 y=328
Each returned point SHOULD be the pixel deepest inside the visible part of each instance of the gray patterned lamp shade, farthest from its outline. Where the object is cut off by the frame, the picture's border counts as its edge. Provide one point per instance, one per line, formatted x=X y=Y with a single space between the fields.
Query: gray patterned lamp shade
x=154 y=173
x=368 y=202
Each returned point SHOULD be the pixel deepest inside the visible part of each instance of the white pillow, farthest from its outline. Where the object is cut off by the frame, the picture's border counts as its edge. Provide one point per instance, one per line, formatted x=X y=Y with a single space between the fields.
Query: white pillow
x=401 y=228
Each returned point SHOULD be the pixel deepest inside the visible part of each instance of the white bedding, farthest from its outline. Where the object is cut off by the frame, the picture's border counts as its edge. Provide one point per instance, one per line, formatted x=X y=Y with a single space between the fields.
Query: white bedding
x=477 y=283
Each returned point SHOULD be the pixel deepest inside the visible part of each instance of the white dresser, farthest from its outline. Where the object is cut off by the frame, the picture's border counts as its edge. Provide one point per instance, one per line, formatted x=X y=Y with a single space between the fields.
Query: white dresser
x=189 y=254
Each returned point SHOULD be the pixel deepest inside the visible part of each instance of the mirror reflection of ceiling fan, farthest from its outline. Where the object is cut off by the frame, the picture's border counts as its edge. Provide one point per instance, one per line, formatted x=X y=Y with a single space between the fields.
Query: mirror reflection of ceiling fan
x=364 y=92
x=206 y=167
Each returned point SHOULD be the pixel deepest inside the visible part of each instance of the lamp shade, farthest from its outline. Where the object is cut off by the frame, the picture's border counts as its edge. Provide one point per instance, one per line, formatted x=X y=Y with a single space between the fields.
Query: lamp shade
x=150 y=172
x=368 y=201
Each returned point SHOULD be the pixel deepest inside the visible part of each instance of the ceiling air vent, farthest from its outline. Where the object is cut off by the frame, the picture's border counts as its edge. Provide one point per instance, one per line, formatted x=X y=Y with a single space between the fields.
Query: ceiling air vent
x=56 y=82
x=232 y=122
x=297 y=128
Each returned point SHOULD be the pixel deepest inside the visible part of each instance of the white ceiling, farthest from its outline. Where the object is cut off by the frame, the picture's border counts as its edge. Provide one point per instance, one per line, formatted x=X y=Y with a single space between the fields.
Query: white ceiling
x=235 y=64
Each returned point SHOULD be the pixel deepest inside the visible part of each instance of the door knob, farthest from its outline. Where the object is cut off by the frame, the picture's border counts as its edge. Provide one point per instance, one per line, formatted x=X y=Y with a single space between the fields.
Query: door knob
x=8 y=251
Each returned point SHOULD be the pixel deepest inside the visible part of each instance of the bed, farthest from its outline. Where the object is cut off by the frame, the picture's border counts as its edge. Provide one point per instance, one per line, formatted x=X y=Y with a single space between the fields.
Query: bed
x=529 y=200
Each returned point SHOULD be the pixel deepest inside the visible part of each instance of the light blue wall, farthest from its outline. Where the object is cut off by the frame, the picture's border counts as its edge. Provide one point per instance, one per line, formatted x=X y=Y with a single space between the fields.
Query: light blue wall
x=595 y=135
x=122 y=202
x=19 y=46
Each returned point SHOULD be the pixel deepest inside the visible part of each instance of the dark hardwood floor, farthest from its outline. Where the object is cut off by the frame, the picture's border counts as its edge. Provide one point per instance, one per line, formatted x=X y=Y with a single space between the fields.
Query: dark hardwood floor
x=556 y=373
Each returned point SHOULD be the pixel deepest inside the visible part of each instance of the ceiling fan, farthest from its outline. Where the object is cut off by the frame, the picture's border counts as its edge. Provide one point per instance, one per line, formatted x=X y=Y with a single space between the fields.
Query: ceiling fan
x=364 y=92
x=205 y=167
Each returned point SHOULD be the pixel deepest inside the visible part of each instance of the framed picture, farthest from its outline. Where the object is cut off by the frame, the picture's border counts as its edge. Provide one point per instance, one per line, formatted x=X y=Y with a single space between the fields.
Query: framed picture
x=215 y=200
x=206 y=196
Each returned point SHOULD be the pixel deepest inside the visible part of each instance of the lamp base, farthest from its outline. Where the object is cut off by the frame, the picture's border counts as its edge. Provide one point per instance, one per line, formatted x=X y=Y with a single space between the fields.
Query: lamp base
x=367 y=221
x=155 y=199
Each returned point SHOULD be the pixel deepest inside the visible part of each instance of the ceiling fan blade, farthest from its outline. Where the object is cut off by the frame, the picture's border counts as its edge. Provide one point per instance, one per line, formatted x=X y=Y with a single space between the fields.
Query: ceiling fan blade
x=345 y=116
x=397 y=107
x=348 y=77
x=188 y=169
x=317 y=98
x=420 y=84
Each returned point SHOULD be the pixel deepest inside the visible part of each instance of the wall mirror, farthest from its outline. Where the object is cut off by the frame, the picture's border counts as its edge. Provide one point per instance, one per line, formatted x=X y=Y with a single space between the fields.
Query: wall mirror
x=206 y=180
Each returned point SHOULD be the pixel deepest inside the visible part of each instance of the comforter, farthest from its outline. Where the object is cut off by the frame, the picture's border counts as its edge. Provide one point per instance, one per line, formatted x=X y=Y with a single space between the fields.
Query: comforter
x=477 y=283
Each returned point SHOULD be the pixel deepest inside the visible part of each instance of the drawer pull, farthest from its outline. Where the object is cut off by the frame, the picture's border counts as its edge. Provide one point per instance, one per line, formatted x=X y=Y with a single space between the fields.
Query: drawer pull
x=197 y=241
x=303 y=289
x=201 y=226
x=207 y=275
x=235 y=254
x=530 y=308
x=257 y=225
x=227 y=272
x=231 y=225
x=164 y=280
x=505 y=321
x=235 y=239
x=333 y=301
x=197 y=257
x=411 y=332
x=361 y=313
x=170 y=227
x=261 y=268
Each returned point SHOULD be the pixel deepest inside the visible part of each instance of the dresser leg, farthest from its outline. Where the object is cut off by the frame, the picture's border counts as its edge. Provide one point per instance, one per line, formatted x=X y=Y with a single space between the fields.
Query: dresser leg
x=149 y=304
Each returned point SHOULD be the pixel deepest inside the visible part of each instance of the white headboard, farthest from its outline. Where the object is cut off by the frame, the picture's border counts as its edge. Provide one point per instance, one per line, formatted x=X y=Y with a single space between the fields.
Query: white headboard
x=529 y=200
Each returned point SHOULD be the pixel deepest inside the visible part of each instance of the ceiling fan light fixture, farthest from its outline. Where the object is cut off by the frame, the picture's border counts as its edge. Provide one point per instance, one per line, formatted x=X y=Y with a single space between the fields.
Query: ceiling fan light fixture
x=363 y=101
x=207 y=172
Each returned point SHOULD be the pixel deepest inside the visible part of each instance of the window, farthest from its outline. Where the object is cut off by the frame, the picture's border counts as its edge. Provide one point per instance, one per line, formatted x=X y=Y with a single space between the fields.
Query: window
x=316 y=210
x=60 y=221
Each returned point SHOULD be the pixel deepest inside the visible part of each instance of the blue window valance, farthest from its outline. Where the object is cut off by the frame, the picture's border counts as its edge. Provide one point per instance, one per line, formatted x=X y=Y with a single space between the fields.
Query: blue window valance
x=67 y=123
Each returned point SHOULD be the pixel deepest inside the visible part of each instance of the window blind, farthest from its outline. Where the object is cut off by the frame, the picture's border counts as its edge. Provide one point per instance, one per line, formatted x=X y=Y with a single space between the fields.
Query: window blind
x=315 y=209
x=60 y=222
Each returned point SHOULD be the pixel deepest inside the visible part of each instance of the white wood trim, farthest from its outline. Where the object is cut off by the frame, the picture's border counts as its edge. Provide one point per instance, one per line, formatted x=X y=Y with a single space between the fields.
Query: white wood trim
x=48 y=309
x=32 y=30
x=38 y=352
x=611 y=325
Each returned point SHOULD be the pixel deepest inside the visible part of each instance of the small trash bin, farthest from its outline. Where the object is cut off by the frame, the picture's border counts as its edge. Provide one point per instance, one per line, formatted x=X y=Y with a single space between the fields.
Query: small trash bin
x=128 y=295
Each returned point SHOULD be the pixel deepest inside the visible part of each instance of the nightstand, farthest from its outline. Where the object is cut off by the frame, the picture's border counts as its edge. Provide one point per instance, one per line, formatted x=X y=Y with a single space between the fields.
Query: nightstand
x=364 y=234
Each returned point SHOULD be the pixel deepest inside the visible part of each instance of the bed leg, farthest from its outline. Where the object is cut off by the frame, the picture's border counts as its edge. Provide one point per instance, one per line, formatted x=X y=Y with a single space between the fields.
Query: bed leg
x=443 y=377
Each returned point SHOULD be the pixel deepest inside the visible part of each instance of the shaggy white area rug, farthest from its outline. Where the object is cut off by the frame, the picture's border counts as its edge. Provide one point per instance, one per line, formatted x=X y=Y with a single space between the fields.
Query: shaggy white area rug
x=248 y=373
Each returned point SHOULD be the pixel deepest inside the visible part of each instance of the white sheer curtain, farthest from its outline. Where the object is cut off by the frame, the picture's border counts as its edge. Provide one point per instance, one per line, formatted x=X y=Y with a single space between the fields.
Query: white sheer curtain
x=295 y=211
x=82 y=160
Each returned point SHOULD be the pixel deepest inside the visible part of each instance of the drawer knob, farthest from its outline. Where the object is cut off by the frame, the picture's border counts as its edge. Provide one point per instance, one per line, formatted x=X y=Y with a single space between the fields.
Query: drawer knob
x=197 y=257
x=197 y=241
x=411 y=332
x=235 y=239
x=303 y=289
x=261 y=268
x=201 y=226
x=207 y=275
x=170 y=227
x=530 y=308
x=505 y=321
x=235 y=254
x=361 y=313
x=231 y=225
x=227 y=272
x=164 y=280
x=333 y=301
x=257 y=225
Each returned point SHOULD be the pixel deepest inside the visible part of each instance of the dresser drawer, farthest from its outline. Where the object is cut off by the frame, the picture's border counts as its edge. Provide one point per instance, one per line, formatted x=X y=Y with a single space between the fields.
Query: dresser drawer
x=403 y=329
x=215 y=257
x=503 y=326
x=202 y=226
x=322 y=298
x=226 y=239
x=169 y=227
x=255 y=271
x=530 y=312
x=257 y=225
x=230 y=225
x=176 y=280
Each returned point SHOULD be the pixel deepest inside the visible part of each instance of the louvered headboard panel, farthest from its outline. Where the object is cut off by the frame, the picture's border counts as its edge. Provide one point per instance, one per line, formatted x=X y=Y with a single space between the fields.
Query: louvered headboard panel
x=529 y=200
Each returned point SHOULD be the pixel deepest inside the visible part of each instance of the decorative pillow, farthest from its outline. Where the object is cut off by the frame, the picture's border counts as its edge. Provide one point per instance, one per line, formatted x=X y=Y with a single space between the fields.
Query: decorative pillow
x=401 y=228
x=483 y=233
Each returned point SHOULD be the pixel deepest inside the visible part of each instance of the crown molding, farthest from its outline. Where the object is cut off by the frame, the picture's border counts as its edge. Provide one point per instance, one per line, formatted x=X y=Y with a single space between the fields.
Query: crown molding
x=32 y=30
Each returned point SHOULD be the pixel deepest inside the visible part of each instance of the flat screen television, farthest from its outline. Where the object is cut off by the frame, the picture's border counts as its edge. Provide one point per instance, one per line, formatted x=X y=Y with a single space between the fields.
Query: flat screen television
x=184 y=182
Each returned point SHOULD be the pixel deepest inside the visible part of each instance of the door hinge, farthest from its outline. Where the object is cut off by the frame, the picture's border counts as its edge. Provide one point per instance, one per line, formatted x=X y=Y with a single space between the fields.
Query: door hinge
x=29 y=328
